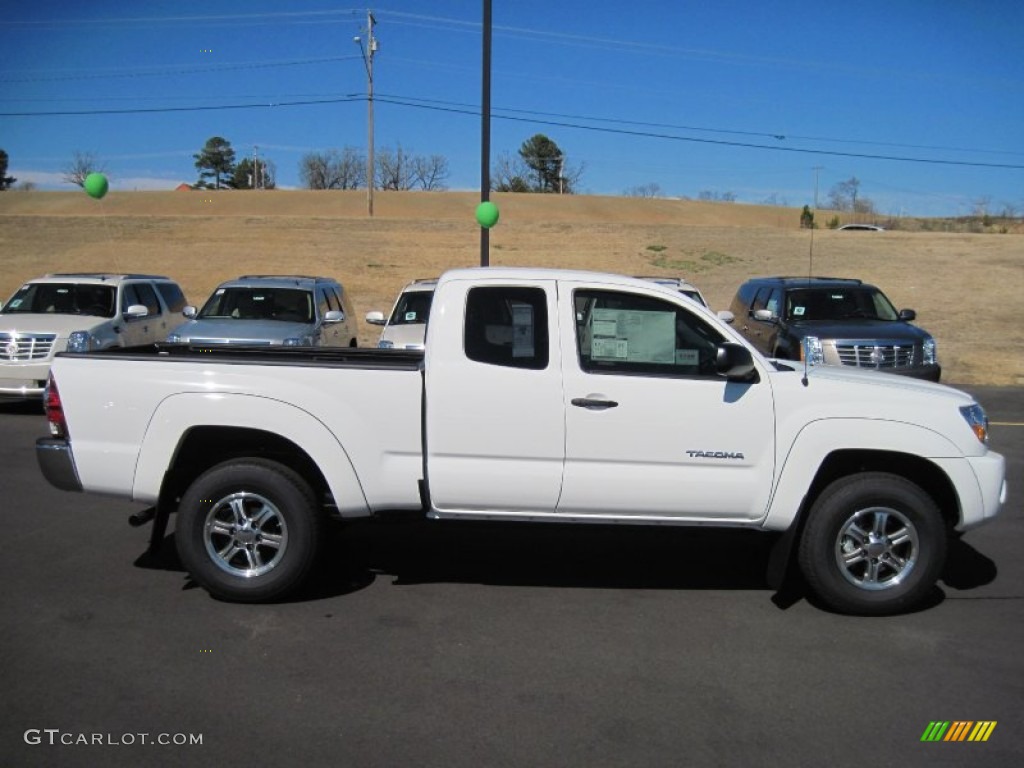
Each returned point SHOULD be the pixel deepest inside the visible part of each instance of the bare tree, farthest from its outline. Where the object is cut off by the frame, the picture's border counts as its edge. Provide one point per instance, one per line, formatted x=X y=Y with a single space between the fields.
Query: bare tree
x=843 y=196
x=80 y=166
x=395 y=169
x=510 y=174
x=430 y=173
x=333 y=169
x=652 y=189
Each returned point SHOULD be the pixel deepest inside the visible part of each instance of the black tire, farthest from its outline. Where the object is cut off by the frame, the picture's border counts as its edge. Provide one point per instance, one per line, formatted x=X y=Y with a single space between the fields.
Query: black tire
x=248 y=530
x=874 y=545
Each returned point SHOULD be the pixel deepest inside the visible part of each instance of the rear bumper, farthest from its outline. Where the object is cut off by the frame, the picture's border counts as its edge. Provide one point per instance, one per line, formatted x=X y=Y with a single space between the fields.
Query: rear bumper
x=57 y=463
x=22 y=389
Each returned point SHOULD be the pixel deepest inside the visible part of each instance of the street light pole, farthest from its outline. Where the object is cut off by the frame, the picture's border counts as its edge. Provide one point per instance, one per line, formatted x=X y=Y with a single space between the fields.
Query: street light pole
x=368 y=52
x=485 y=132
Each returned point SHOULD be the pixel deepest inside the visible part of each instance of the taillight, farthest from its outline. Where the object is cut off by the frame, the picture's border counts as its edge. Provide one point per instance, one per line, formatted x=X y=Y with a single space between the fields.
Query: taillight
x=55 y=410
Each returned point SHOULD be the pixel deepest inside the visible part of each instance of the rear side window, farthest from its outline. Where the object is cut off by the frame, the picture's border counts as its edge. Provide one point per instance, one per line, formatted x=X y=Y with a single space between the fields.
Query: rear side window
x=172 y=296
x=140 y=293
x=625 y=333
x=507 y=326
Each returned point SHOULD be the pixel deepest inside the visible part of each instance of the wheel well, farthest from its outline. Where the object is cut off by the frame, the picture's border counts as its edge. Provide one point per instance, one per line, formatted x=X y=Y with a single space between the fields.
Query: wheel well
x=930 y=478
x=204 y=447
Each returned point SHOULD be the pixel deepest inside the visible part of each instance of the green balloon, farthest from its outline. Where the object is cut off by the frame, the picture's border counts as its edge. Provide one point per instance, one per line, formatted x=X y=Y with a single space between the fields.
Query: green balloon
x=96 y=185
x=487 y=214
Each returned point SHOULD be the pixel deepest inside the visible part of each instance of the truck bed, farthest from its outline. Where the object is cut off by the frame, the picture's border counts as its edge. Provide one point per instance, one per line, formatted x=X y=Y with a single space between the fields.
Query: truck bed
x=242 y=354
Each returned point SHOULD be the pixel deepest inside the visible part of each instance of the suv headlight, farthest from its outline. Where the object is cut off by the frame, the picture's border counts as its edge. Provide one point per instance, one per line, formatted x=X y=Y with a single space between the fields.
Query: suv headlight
x=174 y=338
x=80 y=341
x=811 y=351
x=928 y=356
x=299 y=341
x=977 y=420
x=384 y=344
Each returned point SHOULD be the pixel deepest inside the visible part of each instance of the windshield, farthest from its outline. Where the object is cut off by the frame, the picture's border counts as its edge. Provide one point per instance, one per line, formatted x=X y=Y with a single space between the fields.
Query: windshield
x=839 y=304
x=412 y=307
x=62 y=299
x=286 y=304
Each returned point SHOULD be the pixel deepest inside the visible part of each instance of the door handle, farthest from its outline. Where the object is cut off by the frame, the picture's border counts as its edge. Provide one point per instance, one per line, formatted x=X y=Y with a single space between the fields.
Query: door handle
x=592 y=404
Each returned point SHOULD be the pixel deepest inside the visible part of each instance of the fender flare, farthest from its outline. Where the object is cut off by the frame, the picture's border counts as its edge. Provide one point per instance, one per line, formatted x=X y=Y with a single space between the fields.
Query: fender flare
x=176 y=415
x=816 y=441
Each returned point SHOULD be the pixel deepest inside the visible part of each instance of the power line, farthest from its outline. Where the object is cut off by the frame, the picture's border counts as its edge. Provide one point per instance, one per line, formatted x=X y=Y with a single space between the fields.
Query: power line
x=162 y=71
x=730 y=131
x=153 y=110
x=717 y=142
x=475 y=112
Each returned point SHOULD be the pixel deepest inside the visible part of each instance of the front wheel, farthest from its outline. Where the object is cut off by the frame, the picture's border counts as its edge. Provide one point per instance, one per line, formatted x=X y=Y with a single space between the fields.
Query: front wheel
x=248 y=530
x=874 y=544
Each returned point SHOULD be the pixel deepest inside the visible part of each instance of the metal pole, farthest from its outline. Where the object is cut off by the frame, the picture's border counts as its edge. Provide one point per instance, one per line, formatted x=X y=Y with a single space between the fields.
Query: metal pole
x=371 y=49
x=485 y=133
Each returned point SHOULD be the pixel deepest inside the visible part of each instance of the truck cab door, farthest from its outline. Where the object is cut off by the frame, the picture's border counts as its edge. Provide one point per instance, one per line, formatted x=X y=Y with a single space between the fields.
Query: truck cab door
x=495 y=427
x=651 y=429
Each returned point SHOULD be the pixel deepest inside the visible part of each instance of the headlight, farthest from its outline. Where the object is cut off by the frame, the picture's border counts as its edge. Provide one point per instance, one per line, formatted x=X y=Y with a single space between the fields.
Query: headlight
x=385 y=345
x=811 y=351
x=79 y=341
x=299 y=341
x=174 y=338
x=977 y=420
x=928 y=352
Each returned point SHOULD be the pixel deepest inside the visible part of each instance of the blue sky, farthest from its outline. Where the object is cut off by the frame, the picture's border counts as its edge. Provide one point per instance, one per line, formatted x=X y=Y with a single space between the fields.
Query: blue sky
x=923 y=102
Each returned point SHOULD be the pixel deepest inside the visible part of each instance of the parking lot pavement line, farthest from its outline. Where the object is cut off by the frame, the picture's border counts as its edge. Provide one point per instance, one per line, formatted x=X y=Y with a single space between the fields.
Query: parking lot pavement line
x=1006 y=423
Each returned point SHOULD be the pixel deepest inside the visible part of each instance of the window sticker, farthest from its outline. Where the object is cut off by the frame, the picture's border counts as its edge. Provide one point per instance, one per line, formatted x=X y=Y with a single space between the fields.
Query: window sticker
x=798 y=311
x=522 y=330
x=410 y=317
x=638 y=336
x=687 y=357
x=15 y=304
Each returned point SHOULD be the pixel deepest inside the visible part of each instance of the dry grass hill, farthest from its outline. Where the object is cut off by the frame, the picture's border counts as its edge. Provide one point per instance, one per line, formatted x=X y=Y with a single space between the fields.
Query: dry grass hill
x=965 y=287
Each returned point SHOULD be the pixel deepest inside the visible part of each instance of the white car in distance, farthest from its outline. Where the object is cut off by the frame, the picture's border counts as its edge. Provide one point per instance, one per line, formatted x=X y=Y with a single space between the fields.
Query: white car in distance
x=406 y=326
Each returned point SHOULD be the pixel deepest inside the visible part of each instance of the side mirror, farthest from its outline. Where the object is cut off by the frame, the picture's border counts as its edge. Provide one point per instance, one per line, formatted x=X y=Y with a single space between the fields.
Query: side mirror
x=376 y=318
x=135 y=311
x=189 y=312
x=765 y=315
x=734 y=362
x=726 y=316
x=334 y=316
x=906 y=315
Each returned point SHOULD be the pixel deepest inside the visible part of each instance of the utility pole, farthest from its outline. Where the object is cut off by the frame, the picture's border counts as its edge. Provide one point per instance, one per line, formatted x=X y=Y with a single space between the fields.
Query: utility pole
x=368 y=52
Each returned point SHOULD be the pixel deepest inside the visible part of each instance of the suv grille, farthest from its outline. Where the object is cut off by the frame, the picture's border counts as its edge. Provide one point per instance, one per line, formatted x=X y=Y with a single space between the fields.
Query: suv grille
x=866 y=354
x=26 y=346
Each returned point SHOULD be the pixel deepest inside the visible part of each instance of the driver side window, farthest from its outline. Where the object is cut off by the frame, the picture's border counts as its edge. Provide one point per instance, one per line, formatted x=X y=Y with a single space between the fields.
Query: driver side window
x=624 y=333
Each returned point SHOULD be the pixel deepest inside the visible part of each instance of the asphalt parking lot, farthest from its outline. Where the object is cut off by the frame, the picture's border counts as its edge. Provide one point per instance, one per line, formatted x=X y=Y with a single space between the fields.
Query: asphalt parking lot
x=442 y=644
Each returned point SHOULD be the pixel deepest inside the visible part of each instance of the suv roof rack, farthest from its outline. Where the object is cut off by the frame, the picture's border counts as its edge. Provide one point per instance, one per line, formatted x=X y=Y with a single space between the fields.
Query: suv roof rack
x=851 y=280
x=281 y=277
x=108 y=275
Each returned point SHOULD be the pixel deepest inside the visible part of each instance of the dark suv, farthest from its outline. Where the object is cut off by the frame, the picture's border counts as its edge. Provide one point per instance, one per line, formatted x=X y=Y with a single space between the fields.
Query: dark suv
x=833 y=321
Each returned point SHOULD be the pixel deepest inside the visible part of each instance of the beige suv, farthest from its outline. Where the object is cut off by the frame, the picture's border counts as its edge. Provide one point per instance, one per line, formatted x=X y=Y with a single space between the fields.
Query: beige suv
x=79 y=312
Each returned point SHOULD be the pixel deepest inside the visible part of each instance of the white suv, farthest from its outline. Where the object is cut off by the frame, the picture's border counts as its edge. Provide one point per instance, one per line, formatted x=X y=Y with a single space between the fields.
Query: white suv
x=79 y=312
x=406 y=328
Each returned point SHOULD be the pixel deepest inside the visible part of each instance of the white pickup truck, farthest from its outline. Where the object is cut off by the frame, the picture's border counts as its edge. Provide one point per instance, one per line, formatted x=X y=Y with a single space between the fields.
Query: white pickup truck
x=542 y=395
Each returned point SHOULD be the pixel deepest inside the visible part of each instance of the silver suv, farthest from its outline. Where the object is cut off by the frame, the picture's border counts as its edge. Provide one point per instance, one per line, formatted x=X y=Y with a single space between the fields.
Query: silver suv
x=293 y=310
x=79 y=312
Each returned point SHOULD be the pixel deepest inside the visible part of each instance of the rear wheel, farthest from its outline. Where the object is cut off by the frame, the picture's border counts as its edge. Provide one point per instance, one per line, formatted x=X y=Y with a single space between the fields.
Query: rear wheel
x=874 y=544
x=248 y=530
